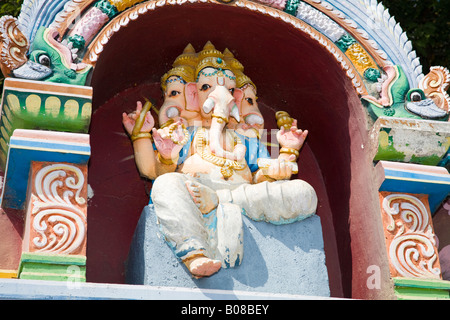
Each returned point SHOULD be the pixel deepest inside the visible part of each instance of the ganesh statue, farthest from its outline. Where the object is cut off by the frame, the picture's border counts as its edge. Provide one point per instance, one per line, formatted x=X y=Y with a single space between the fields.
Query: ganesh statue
x=208 y=164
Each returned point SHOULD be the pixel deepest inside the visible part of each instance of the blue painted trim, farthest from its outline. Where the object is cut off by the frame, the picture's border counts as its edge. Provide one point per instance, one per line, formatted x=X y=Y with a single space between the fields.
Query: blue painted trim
x=20 y=155
x=50 y=146
x=417 y=176
x=436 y=186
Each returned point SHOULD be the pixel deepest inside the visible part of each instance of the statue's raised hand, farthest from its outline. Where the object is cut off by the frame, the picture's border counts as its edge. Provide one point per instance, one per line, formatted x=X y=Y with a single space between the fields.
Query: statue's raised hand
x=293 y=138
x=170 y=140
x=130 y=120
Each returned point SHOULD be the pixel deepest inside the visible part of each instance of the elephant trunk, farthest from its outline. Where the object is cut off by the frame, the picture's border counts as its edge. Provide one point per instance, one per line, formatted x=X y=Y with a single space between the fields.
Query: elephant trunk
x=222 y=103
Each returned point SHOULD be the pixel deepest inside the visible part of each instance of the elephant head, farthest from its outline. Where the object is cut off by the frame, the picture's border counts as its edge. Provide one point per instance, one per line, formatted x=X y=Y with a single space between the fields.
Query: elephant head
x=174 y=105
x=252 y=117
x=173 y=85
x=217 y=99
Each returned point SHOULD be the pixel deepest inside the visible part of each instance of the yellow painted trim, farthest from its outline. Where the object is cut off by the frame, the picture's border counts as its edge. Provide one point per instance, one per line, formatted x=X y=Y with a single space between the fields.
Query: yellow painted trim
x=8 y=274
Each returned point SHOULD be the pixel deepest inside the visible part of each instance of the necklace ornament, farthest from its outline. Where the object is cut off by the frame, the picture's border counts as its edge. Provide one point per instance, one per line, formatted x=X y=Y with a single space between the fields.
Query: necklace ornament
x=227 y=166
x=172 y=128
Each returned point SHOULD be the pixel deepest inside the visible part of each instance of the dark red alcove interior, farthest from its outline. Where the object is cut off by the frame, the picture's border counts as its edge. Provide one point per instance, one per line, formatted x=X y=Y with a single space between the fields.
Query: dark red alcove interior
x=293 y=72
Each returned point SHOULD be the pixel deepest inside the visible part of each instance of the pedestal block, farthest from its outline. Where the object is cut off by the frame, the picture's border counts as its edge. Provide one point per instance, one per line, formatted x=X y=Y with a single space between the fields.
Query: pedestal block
x=286 y=259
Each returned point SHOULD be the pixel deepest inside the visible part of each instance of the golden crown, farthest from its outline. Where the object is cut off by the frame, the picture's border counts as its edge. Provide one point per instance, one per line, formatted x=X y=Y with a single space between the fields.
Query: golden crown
x=242 y=80
x=190 y=64
x=232 y=61
x=184 y=74
x=187 y=58
x=209 y=51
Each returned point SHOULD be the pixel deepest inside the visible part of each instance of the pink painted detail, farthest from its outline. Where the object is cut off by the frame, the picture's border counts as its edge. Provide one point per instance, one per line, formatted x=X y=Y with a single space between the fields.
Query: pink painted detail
x=90 y=24
x=385 y=100
x=277 y=4
x=65 y=52
x=447 y=206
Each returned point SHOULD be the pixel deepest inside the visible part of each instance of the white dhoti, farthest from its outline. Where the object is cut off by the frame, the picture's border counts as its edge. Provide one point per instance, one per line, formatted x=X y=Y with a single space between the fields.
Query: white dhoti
x=190 y=233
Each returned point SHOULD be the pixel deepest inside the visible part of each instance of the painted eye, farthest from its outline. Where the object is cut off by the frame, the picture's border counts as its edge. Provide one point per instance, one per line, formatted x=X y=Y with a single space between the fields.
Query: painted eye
x=205 y=87
x=44 y=60
x=174 y=93
x=249 y=100
x=416 y=97
x=232 y=91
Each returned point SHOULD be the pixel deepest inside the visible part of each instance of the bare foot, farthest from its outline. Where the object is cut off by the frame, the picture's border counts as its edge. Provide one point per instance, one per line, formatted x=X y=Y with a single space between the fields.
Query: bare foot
x=204 y=197
x=203 y=266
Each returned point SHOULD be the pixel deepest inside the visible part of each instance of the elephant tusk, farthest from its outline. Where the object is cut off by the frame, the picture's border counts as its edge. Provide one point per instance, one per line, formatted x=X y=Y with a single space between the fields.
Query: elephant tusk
x=235 y=113
x=208 y=105
x=172 y=112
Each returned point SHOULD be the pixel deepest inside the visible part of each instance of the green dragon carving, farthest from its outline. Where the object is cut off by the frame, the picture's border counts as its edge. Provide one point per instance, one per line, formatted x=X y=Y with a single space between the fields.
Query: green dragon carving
x=50 y=60
x=397 y=99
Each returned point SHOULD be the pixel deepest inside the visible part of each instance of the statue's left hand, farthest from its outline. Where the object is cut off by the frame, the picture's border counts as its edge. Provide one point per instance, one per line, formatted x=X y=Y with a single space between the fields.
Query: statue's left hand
x=165 y=141
x=293 y=138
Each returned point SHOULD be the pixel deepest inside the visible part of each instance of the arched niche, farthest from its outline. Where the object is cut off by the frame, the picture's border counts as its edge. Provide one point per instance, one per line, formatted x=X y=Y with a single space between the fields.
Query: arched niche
x=294 y=72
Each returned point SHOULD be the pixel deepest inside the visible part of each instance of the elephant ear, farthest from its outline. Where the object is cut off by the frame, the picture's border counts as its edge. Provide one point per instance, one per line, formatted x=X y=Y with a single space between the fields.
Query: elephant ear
x=13 y=46
x=191 y=94
x=238 y=96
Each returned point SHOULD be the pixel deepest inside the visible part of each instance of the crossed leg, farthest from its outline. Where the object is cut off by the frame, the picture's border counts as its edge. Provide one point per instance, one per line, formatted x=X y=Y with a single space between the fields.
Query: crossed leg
x=204 y=197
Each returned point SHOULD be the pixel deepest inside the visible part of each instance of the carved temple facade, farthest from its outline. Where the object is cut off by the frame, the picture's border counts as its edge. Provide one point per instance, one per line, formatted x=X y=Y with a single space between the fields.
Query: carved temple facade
x=377 y=153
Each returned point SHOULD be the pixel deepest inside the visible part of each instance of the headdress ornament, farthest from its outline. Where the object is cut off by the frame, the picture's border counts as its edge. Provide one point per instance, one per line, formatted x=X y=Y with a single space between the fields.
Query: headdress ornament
x=242 y=80
x=184 y=73
x=209 y=51
x=187 y=58
x=236 y=66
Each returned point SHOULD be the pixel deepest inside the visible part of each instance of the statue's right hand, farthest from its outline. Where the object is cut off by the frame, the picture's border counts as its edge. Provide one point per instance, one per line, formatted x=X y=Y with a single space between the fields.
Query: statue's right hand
x=129 y=120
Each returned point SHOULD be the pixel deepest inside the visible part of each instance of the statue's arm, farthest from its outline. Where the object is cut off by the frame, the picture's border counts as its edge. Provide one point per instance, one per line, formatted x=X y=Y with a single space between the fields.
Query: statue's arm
x=148 y=161
x=140 y=125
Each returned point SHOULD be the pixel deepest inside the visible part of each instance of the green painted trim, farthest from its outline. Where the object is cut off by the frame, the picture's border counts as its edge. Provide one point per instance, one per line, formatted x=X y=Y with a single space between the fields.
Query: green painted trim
x=422 y=283
x=54 y=259
x=37 y=266
x=421 y=289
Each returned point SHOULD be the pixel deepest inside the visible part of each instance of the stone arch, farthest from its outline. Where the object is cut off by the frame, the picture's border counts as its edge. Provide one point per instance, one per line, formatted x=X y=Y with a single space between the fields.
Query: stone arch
x=295 y=71
x=352 y=65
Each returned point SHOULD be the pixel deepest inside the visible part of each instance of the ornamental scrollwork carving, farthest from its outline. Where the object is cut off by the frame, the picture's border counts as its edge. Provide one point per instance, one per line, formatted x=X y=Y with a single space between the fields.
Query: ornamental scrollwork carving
x=435 y=85
x=13 y=45
x=58 y=217
x=410 y=238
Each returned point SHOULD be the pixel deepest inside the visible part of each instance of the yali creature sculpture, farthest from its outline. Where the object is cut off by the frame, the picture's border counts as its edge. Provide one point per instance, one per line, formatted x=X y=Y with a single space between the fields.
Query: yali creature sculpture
x=46 y=59
x=209 y=166
x=397 y=99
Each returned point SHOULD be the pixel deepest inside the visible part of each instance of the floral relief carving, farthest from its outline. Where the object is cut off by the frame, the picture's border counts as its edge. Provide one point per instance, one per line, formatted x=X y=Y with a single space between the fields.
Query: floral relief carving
x=410 y=238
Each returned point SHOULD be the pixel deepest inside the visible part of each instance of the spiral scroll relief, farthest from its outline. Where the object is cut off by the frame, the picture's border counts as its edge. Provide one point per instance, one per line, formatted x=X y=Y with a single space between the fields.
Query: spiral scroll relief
x=410 y=238
x=57 y=219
